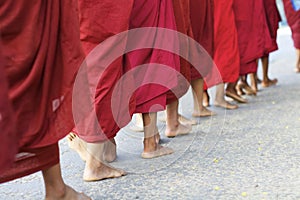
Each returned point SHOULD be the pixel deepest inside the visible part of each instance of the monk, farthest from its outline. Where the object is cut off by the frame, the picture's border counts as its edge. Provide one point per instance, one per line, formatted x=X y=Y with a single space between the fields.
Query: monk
x=254 y=39
x=42 y=55
x=183 y=24
x=273 y=19
x=100 y=20
x=152 y=98
x=293 y=18
x=226 y=55
x=201 y=14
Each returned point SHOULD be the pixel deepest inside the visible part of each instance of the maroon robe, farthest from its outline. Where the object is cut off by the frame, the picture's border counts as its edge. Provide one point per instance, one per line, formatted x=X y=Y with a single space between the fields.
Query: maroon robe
x=254 y=37
x=41 y=58
x=183 y=25
x=202 y=21
x=100 y=20
x=9 y=146
x=273 y=19
x=154 y=13
x=293 y=19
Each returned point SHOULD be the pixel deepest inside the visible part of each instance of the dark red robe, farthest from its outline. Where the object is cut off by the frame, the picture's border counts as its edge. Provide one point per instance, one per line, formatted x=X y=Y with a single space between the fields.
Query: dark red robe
x=41 y=58
x=253 y=34
x=183 y=25
x=152 y=97
x=273 y=18
x=99 y=21
x=293 y=19
x=202 y=21
x=9 y=146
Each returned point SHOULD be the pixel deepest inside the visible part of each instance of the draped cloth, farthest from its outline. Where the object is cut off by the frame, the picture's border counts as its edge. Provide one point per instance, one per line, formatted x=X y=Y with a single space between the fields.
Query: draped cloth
x=9 y=146
x=202 y=21
x=273 y=18
x=99 y=21
x=183 y=25
x=42 y=55
x=293 y=19
x=150 y=95
x=226 y=55
x=254 y=37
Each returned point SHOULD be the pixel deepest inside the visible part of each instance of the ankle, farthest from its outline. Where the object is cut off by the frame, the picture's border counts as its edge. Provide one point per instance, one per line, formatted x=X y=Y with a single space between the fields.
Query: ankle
x=56 y=191
x=150 y=144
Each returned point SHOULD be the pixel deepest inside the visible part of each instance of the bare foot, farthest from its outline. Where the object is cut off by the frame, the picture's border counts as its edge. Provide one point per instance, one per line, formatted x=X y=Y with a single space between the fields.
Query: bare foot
x=226 y=105
x=68 y=194
x=110 y=150
x=185 y=121
x=204 y=112
x=96 y=170
x=258 y=80
x=235 y=97
x=244 y=88
x=160 y=151
x=297 y=69
x=77 y=145
x=178 y=130
x=269 y=83
x=182 y=120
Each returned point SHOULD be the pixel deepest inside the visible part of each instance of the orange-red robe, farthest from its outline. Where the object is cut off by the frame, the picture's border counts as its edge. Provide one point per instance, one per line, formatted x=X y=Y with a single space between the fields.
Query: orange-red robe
x=226 y=55
x=41 y=58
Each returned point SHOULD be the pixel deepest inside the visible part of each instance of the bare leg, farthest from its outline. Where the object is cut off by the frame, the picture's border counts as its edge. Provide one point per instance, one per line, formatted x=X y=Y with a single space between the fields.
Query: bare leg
x=186 y=121
x=199 y=109
x=56 y=189
x=110 y=150
x=80 y=146
x=220 y=100
x=297 y=69
x=77 y=145
x=266 y=82
x=138 y=126
x=175 y=128
x=232 y=93
x=205 y=98
x=151 y=148
x=182 y=119
x=95 y=169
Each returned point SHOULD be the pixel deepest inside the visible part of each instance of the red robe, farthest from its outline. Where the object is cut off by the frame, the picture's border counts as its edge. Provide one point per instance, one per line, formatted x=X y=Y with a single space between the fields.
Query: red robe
x=183 y=25
x=42 y=55
x=273 y=19
x=9 y=146
x=202 y=21
x=226 y=54
x=154 y=13
x=293 y=19
x=100 y=20
x=253 y=34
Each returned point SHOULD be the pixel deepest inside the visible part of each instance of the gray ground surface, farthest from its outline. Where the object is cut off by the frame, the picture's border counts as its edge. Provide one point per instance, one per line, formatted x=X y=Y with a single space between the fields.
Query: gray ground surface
x=249 y=153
